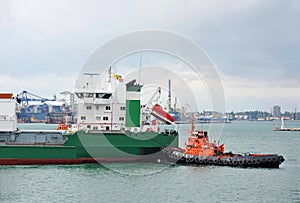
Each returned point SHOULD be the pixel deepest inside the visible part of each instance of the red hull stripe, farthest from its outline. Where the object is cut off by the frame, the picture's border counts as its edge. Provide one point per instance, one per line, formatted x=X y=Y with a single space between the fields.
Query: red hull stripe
x=16 y=161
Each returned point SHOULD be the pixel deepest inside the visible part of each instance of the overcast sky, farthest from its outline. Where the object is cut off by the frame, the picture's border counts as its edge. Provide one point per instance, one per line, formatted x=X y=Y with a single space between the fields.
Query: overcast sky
x=255 y=44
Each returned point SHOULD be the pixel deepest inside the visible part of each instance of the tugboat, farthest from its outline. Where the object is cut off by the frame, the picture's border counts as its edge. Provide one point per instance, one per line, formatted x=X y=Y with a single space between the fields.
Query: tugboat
x=200 y=151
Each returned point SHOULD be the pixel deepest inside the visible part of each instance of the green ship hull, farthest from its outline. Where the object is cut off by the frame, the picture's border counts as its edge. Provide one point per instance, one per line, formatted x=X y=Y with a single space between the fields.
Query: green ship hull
x=84 y=147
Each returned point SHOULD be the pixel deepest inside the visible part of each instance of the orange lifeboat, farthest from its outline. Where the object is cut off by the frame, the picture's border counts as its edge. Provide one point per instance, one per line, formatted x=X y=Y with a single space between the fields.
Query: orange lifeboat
x=162 y=115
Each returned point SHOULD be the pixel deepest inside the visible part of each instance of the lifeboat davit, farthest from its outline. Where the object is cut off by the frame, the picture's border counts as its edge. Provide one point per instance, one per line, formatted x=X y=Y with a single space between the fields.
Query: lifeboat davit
x=159 y=113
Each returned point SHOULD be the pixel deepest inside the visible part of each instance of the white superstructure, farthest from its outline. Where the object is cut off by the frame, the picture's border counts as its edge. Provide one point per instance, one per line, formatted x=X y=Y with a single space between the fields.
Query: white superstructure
x=8 y=118
x=99 y=111
x=98 y=108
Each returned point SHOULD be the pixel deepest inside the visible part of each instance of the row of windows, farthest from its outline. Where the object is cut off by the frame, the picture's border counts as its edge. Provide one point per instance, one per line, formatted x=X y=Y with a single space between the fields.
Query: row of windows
x=96 y=127
x=107 y=108
x=92 y=95
x=98 y=118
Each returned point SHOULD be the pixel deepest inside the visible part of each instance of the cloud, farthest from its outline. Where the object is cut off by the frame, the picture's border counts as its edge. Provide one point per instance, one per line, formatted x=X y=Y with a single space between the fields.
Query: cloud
x=255 y=44
x=44 y=84
x=247 y=94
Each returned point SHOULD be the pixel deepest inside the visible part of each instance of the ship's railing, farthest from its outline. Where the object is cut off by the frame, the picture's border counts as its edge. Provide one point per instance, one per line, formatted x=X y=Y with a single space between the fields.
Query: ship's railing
x=35 y=143
x=102 y=126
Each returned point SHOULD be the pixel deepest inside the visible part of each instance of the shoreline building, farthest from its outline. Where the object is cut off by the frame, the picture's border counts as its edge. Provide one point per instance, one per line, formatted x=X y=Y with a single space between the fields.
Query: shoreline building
x=276 y=111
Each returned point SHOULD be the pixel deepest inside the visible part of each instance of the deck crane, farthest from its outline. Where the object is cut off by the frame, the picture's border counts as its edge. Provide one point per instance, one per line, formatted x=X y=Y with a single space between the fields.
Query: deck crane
x=156 y=94
x=25 y=96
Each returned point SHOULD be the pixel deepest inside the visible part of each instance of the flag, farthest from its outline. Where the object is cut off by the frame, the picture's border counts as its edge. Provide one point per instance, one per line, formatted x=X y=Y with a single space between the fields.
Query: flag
x=118 y=77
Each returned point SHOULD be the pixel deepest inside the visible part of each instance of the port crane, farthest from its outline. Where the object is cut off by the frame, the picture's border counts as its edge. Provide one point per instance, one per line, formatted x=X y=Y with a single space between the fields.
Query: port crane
x=24 y=97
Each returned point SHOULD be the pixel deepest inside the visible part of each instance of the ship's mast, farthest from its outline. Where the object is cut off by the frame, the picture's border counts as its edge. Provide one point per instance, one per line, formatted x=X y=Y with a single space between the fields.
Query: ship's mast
x=109 y=79
x=169 y=97
x=192 y=124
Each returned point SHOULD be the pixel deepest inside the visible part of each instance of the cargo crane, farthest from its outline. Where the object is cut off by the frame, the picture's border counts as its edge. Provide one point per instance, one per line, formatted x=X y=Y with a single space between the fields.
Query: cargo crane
x=24 y=97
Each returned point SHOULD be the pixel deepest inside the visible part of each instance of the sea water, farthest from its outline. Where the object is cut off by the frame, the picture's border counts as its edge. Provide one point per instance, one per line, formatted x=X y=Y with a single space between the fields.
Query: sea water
x=168 y=183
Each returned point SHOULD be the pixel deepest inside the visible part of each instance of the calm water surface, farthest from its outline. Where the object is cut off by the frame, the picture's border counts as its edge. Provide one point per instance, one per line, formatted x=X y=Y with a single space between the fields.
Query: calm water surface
x=163 y=183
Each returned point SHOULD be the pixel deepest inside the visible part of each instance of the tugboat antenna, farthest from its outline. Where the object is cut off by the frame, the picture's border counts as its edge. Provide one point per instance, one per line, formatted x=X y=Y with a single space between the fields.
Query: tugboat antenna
x=193 y=124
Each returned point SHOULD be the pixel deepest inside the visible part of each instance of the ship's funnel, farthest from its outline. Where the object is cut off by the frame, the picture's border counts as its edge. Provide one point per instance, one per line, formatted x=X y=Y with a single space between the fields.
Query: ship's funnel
x=133 y=104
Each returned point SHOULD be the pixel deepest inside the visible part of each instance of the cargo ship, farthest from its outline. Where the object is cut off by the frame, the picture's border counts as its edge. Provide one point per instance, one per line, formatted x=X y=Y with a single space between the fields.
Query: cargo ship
x=107 y=130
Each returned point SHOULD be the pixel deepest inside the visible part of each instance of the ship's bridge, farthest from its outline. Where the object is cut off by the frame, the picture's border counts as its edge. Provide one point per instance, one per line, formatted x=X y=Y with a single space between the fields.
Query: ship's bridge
x=100 y=97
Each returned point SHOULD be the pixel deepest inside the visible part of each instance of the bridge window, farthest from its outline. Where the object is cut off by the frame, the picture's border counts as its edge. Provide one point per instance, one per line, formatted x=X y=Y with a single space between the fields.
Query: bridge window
x=79 y=95
x=89 y=95
x=122 y=108
x=88 y=107
x=103 y=95
x=121 y=118
x=107 y=108
x=83 y=118
x=105 y=118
